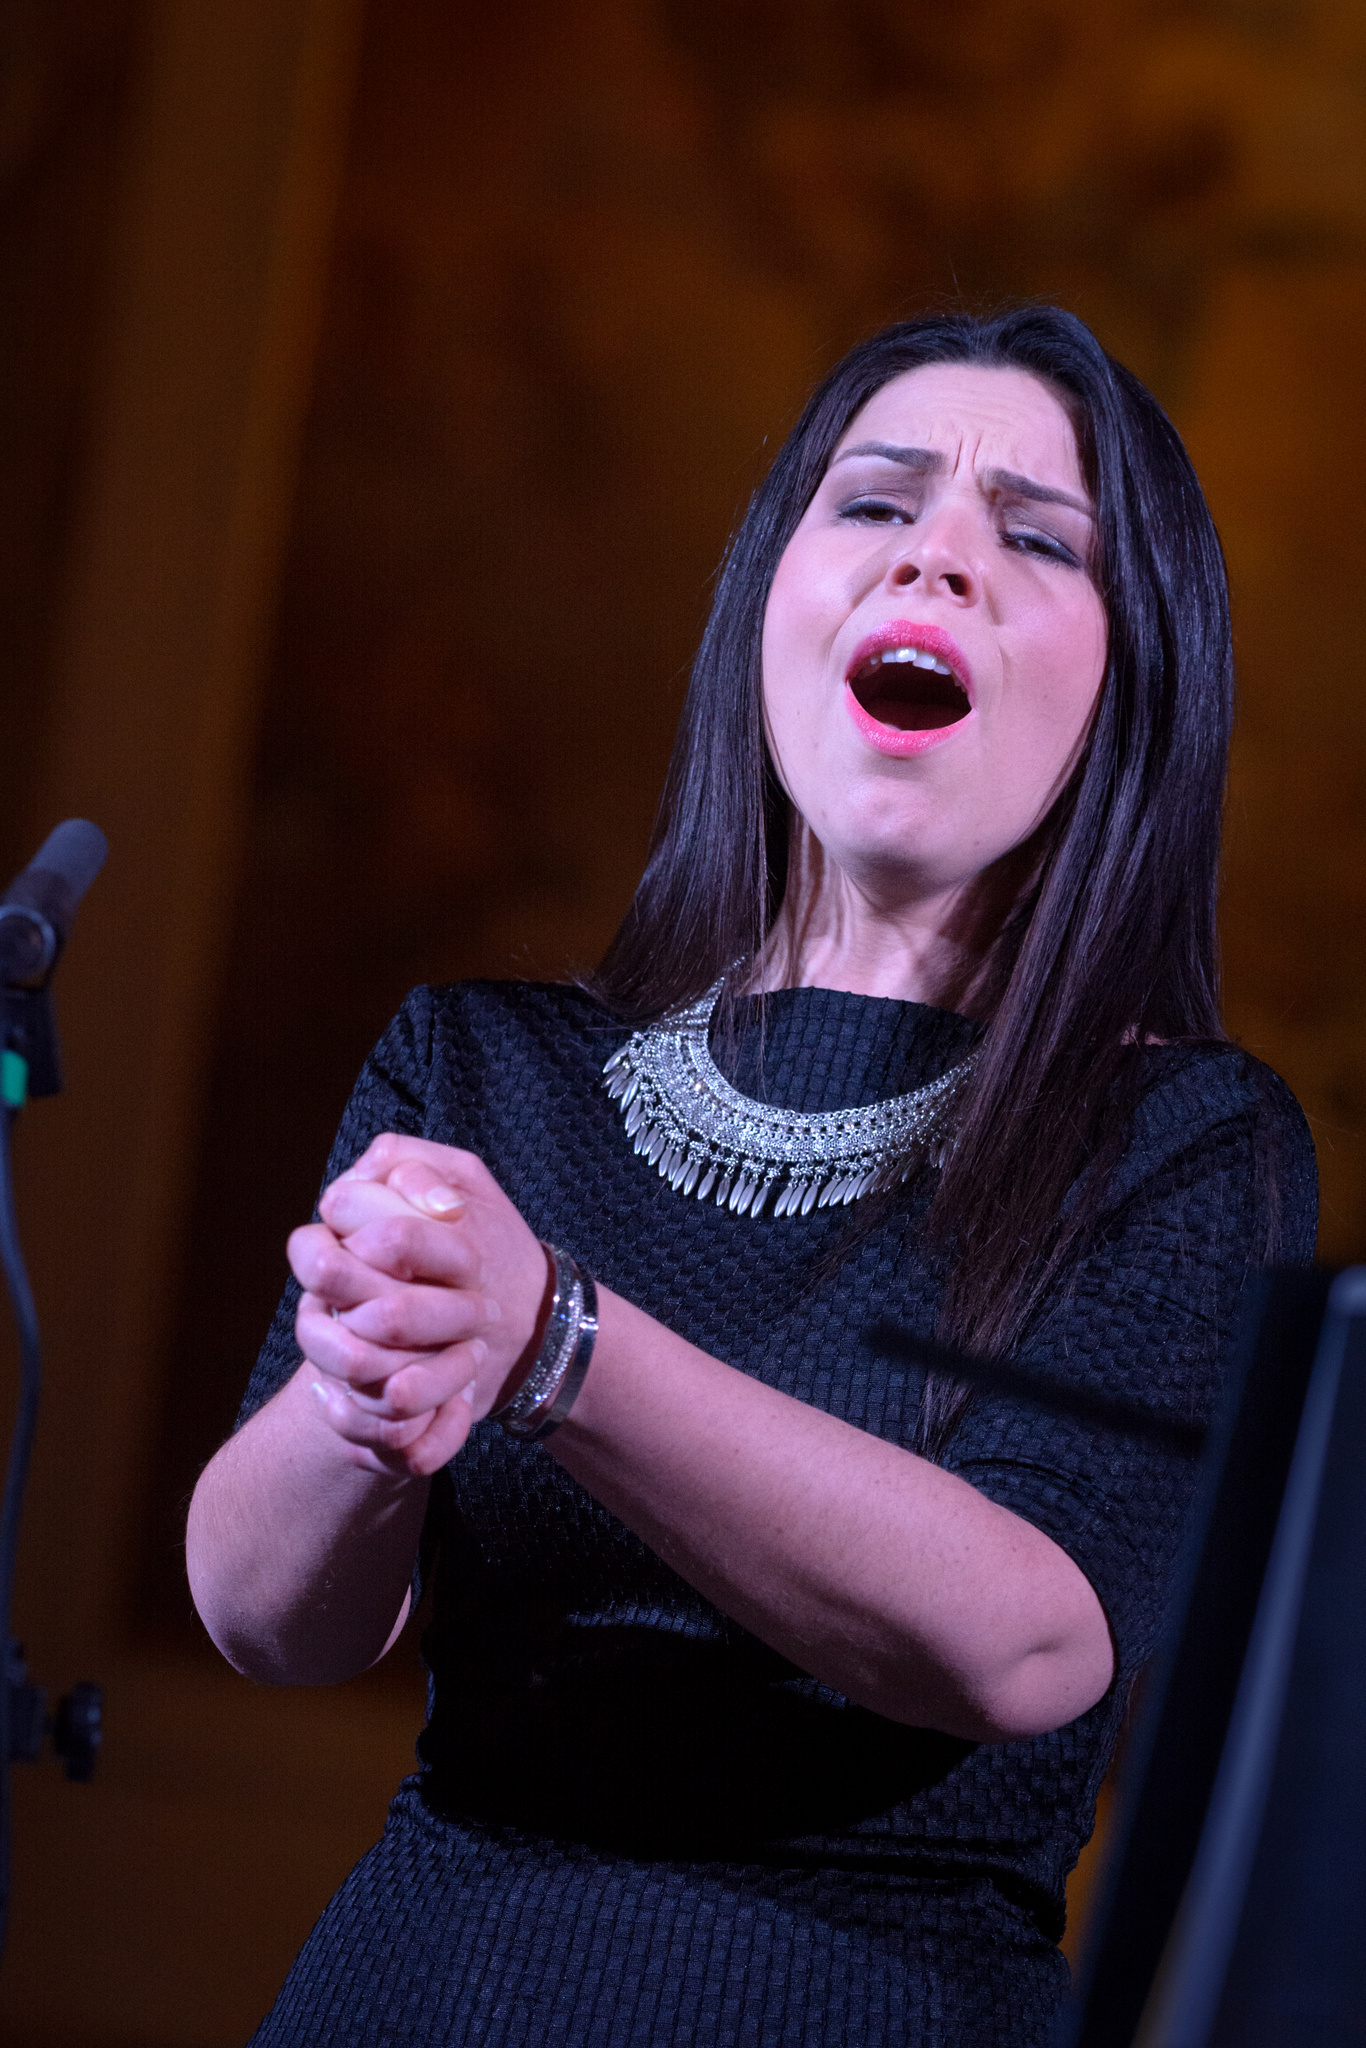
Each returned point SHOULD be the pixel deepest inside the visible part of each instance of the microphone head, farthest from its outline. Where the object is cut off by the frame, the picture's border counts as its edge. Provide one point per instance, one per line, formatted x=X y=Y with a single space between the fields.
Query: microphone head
x=37 y=908
x=76 y=851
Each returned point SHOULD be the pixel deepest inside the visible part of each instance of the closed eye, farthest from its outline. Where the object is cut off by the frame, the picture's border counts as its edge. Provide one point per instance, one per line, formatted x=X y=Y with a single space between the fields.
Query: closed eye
x=876 y=512
x=1045 y=545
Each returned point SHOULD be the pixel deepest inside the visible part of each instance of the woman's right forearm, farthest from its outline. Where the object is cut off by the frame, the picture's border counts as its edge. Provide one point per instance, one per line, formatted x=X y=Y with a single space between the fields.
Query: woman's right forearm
x=299 y=1558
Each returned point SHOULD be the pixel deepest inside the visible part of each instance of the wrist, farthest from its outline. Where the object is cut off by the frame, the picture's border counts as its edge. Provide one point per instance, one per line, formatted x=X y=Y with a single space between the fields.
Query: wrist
x=527 y=1356
x=539 y=1400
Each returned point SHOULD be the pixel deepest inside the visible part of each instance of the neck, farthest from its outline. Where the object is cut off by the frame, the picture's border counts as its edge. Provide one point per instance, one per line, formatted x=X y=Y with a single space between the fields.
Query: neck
x=922 y=945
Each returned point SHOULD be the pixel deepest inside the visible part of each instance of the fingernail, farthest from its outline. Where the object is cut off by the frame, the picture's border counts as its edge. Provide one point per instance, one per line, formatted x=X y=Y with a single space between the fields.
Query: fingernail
x=479 y=1351
x=441 y=1201
x=467 y=1393
x=492 y=1312
x=321 y=1391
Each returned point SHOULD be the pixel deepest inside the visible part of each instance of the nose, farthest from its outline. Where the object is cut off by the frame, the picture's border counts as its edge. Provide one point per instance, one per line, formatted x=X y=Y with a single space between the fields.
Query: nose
x=938 y=553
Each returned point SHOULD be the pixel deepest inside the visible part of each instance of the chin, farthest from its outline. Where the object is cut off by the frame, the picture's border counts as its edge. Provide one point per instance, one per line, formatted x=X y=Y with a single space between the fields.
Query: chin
x=907 y=830
x=906 y=861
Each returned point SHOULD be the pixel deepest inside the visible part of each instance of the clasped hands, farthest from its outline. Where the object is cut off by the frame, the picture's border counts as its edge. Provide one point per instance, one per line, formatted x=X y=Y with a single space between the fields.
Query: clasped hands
x=424 y=1296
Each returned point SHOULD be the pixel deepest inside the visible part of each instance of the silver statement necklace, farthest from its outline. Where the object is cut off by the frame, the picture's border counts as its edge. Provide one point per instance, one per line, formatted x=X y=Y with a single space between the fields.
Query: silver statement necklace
x=708 y=1139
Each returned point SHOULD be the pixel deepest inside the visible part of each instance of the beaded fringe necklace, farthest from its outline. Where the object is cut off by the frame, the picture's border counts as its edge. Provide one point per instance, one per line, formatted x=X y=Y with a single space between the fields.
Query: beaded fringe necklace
x=706 y=1139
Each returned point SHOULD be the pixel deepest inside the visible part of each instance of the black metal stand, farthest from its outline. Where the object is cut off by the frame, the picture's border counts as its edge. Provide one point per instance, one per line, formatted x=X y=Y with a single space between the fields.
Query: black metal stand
x=28 y=1065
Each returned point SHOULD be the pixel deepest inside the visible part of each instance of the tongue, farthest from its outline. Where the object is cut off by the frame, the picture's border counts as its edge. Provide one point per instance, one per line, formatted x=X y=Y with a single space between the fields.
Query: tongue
x=910 y=699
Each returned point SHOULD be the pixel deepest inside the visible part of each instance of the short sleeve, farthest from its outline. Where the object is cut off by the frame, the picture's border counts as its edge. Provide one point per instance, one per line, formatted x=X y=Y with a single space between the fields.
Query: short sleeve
x=1148 y=1317
x=389 y=1095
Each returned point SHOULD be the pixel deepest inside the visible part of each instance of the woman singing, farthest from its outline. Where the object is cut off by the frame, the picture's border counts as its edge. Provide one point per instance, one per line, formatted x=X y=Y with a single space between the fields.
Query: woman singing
x=772 y=1682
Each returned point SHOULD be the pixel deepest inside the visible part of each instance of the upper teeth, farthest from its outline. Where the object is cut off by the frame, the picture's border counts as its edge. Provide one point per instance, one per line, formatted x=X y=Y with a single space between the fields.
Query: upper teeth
x=919 y=655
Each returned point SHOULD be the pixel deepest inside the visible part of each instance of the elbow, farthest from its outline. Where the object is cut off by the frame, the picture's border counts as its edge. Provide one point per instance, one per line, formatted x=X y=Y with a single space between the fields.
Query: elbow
x=1010 y=1698
x=254 y=1661
x=1040 y=1691
x=277 y=1657
x=304 y=1650
x=239 y=1629
x=258 y=1662
x=239 y=1639
x=243 y=1616
x=300 y=1643
x=1036 y=1702
x=1051 y=1667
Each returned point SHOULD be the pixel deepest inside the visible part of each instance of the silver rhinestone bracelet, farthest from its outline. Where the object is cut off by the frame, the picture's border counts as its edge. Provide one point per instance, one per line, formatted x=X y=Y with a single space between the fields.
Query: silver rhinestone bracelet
x=551 y=1387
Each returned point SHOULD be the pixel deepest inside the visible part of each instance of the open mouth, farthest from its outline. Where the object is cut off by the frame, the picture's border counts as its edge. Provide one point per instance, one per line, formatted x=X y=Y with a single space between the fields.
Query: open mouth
x=909 y=689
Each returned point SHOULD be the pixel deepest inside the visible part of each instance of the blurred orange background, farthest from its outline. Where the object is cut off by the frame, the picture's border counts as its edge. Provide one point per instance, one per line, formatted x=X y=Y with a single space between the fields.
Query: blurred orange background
x=379 y=386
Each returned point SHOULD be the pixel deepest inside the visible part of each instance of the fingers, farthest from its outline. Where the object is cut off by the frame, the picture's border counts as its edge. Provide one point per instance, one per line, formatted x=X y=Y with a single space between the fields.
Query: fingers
x=349 y=1204
x=418 y=1318
x=324 y=1267
x=393 y=1308
x=422 y=1385
x=441 y=1439
x=327 y=1343
x=428 y=1188
x=395 y=1243
x=462 y=1172
x=331 y=1342
x=417 y=1446
x=404 y=1279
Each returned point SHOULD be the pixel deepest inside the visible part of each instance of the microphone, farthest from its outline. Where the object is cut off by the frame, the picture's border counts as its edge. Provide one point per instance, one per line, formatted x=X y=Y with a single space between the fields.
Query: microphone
x=35 y=916
x=37 y=908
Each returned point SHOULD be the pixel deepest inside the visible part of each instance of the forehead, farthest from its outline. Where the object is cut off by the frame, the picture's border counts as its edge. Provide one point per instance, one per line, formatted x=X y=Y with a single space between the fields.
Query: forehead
x=974 y=417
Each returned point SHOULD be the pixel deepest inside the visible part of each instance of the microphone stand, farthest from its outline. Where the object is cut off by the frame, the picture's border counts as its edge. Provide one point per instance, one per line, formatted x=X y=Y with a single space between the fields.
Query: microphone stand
x=29 y=1066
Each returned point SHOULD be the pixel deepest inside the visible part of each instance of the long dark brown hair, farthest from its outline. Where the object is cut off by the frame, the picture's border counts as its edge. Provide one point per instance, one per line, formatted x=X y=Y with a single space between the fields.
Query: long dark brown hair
x=1113 y=942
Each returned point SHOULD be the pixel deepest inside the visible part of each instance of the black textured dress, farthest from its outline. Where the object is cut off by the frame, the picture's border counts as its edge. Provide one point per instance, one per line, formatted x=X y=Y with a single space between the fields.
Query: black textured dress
x=635 y=1825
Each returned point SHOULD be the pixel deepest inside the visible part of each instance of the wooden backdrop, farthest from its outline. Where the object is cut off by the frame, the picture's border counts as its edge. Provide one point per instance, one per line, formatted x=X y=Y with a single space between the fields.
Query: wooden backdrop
x=380 y=386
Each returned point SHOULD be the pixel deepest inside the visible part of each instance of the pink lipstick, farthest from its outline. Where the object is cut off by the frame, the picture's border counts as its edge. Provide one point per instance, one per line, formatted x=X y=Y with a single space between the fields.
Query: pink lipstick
x=908 y=687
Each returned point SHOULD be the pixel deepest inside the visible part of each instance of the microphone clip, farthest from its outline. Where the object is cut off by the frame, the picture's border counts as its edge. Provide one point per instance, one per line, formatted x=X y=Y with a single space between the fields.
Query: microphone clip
x=29 y=945
x=30 y=1060
x=35 y=916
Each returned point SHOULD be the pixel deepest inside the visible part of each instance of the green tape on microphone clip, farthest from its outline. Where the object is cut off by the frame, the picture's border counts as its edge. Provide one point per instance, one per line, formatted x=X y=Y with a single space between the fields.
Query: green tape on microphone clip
x=13 y=1080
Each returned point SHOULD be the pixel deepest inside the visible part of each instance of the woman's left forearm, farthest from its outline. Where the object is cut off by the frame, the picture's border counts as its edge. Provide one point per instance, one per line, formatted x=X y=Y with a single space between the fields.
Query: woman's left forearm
x=887 y=1578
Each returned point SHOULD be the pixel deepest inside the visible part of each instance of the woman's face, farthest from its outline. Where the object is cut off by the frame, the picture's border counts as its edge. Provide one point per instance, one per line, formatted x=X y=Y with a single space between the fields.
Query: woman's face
x=934 y=639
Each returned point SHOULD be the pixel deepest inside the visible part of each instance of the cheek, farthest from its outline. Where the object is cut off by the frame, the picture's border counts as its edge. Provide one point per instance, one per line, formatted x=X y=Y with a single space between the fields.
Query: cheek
x=793 y=611
x=1090 y=647
x=793 y=638
x=1068 y=667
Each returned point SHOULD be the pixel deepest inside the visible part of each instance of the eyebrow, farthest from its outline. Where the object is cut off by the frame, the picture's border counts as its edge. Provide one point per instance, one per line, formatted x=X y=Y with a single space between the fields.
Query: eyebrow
x=928 y=462
x=924 y=461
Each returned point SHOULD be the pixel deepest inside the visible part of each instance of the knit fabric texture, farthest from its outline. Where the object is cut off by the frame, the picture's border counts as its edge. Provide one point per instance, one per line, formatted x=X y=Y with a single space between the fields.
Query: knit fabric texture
x=634 y=1823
